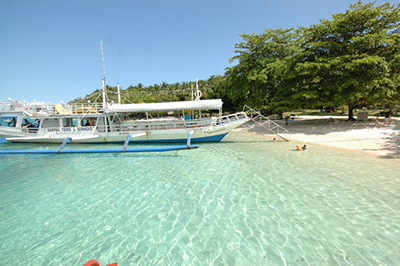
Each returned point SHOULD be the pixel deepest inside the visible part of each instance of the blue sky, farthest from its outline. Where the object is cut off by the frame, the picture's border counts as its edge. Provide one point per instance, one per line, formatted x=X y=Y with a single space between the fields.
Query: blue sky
x=50 y=50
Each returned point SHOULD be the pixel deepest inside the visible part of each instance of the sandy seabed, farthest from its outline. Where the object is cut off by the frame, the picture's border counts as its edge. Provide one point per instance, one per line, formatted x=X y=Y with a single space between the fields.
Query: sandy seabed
x=359 y=136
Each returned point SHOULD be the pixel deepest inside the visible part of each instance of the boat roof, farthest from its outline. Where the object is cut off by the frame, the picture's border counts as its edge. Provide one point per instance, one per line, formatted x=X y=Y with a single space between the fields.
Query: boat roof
x=11 y=114
x=167 y=106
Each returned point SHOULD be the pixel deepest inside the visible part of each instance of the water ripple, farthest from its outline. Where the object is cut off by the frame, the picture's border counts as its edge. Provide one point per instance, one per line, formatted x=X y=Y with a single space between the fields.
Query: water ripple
x=229 y=203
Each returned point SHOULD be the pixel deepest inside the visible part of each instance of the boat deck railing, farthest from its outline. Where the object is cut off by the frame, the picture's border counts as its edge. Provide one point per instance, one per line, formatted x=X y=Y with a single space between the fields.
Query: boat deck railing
x=141 y=127
x=175 y=124
x=16 y=105
x=78 y=108
x=40 y=108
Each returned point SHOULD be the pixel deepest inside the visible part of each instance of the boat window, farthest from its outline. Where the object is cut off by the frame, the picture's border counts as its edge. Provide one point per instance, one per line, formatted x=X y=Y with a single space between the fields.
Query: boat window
x=5 y=120
x=30 y=122
x=67 y=122
x=117 y=119
x=50 y=122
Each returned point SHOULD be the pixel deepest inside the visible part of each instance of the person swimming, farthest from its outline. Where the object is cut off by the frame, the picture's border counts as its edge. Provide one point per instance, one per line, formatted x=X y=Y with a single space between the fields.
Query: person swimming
x=302 y=148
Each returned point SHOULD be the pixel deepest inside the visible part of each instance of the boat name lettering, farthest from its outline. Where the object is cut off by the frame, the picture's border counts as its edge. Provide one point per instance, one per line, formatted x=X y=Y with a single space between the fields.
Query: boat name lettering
x=69 y=129
x=85 y=128
x=213 y=131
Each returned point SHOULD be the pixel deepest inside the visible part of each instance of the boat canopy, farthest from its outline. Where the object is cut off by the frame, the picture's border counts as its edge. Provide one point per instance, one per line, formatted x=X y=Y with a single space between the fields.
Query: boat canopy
x=167 y=106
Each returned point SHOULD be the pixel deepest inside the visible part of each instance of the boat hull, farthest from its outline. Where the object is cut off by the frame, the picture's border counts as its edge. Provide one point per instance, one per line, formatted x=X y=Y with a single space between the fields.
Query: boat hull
x=201 y=134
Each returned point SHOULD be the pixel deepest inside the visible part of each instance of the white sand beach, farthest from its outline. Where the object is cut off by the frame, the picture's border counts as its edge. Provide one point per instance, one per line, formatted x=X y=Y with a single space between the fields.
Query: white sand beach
x=336 y=131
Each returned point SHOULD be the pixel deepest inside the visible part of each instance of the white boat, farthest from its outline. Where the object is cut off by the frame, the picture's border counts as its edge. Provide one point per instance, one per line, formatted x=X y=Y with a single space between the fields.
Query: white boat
x=43 y=122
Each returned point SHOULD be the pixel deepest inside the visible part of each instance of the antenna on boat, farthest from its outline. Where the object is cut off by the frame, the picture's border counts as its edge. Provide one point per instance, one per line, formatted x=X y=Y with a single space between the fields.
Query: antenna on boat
x=198 y=92
x=119 y=94
x=104 y=75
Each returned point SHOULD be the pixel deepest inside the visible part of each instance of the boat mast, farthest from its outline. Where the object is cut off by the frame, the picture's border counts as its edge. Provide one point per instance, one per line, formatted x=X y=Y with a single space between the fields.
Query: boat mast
x=198 y=94
x=119 y=94
x=104 y=76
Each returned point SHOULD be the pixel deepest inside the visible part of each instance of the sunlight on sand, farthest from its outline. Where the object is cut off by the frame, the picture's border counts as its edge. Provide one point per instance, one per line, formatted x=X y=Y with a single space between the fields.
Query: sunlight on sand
x=337 y=132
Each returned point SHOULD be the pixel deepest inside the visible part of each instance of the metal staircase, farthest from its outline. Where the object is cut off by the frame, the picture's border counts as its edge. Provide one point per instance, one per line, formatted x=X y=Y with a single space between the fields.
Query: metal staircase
x=266 y=123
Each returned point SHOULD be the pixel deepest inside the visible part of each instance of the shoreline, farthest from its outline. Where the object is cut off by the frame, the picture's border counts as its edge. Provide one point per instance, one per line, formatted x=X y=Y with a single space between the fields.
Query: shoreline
x=337 y=132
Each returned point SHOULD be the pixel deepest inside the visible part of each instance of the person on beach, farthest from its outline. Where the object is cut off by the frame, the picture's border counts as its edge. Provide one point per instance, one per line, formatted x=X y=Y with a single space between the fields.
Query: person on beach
x=376 y=122
x=387 y=119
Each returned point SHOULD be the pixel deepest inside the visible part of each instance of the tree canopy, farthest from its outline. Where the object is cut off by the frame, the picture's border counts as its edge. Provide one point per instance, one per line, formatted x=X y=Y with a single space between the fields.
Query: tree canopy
x=352 y=59
x=262 y=59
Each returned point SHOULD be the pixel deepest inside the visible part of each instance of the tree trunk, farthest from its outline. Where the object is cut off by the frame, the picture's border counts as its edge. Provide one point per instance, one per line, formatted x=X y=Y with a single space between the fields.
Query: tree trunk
x=351 y=108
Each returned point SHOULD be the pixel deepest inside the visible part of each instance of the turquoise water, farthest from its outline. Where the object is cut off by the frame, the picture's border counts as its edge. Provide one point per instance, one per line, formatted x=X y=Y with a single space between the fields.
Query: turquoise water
x=243 y=201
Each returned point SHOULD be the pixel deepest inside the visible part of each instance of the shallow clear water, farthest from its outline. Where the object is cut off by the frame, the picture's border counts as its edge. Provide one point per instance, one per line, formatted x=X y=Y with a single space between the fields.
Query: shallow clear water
x=243 y=201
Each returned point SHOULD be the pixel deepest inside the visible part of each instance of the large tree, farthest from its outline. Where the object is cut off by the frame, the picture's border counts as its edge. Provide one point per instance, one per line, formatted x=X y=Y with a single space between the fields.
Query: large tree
x=261 y=63
x=348 y=60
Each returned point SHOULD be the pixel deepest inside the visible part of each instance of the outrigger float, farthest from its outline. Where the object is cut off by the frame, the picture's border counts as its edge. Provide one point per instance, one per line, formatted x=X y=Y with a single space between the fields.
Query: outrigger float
x=123 y=150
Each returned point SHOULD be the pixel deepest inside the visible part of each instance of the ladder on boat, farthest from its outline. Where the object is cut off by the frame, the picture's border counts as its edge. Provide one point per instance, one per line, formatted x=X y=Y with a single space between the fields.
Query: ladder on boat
x=266 y=123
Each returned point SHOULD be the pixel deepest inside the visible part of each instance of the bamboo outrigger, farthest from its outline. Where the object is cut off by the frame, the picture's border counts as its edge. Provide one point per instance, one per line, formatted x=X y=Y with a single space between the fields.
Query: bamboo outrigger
x=123 y=150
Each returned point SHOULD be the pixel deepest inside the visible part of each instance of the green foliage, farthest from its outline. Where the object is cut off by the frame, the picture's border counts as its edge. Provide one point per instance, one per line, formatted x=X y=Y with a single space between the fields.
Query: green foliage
x=349 y=60
x=262 y=59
